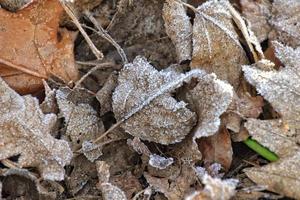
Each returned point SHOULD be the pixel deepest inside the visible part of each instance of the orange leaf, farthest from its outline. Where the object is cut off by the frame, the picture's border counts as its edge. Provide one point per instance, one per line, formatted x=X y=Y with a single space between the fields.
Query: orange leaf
x=32 y=48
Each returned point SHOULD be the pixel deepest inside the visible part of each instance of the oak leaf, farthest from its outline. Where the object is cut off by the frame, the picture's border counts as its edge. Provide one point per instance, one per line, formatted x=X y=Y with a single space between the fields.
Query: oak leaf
x=33 y=48
x=25 y=131
x=282 y=136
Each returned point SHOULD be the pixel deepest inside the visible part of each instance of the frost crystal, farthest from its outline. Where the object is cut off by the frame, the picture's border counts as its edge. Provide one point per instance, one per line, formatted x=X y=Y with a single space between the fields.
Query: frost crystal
x=160 y=162
x=178 y=28
x=162 y=119
x=25 y=131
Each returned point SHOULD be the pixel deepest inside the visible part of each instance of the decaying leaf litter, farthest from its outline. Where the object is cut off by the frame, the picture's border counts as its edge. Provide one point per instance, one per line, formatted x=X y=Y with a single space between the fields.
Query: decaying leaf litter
x=149 y=99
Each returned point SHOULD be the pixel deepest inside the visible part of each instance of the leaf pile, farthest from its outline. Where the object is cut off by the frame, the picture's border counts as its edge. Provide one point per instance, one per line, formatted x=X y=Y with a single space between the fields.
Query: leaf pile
x=163 y=113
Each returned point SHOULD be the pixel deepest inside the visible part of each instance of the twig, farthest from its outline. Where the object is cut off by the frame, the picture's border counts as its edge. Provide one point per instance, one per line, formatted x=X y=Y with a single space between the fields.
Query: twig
x=94 y=49
x=106 y=36
x=22 y=69
x=97 y=67
x=243 y=27
x=9 y=164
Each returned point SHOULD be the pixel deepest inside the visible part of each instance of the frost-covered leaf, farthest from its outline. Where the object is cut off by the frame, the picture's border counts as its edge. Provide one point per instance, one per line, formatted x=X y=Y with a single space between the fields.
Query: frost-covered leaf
x=25 y=131
x=215 y=189
x=282 y=136
x=82 y=172
x=174 y=187
x=160 y=162
x=112 y=192
x=164 y=120
x=82 y=122
x=104 y=95
x=285 y=21
x=109 y=191
x=210 y=98
x=216 y=46
x=282 y=177
x=178 y=28
x=281 y=88
x=258 y=14
x=139 y=146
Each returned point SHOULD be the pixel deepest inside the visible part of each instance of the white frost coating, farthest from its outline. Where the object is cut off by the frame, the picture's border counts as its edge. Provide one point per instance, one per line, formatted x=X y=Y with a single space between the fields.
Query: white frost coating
x=160 y=162
x=211 y=97
x=25 y=130
x=285 y=21
x=178 y=28
x=157 y=116
x=281 y=88
x=81 y=120
x=218 y=189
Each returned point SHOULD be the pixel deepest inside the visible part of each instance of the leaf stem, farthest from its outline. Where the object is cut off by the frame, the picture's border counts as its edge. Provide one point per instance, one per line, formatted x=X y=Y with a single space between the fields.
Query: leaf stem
x=261 y=150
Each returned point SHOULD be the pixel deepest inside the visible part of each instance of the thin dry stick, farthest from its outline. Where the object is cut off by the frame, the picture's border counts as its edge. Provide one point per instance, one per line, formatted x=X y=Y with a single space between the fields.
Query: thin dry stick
x=97 y=67
x=94 y=49
x=9 y=164
x=242 y=26
x=106 y=36
x=22 y=69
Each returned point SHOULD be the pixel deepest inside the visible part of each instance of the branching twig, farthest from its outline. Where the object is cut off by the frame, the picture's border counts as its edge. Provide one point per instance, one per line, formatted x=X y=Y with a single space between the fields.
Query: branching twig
x=106 y=36
x=94 y=49
x=98 y=66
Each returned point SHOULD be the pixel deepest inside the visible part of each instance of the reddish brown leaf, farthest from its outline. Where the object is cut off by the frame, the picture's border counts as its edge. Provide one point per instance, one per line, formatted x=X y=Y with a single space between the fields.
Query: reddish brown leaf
x=217 y=148
x=32 y=48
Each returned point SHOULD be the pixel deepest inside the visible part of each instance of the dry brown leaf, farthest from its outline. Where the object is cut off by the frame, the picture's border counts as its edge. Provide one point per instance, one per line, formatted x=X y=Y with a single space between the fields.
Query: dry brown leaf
x=285 y=21
x=109 y=191
x=164 y=120
x=216 y=46
x=258 y=13
x=25 y=131
x=33 y=50
x=83 y=170
x=82 y=122
x=215 y=189
x=210 y=98
x=281 y=88
x=176 y=187
x=217 y=148
x=178 y=28
x=13 y=5
x=282 y=136
x=104 y=95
